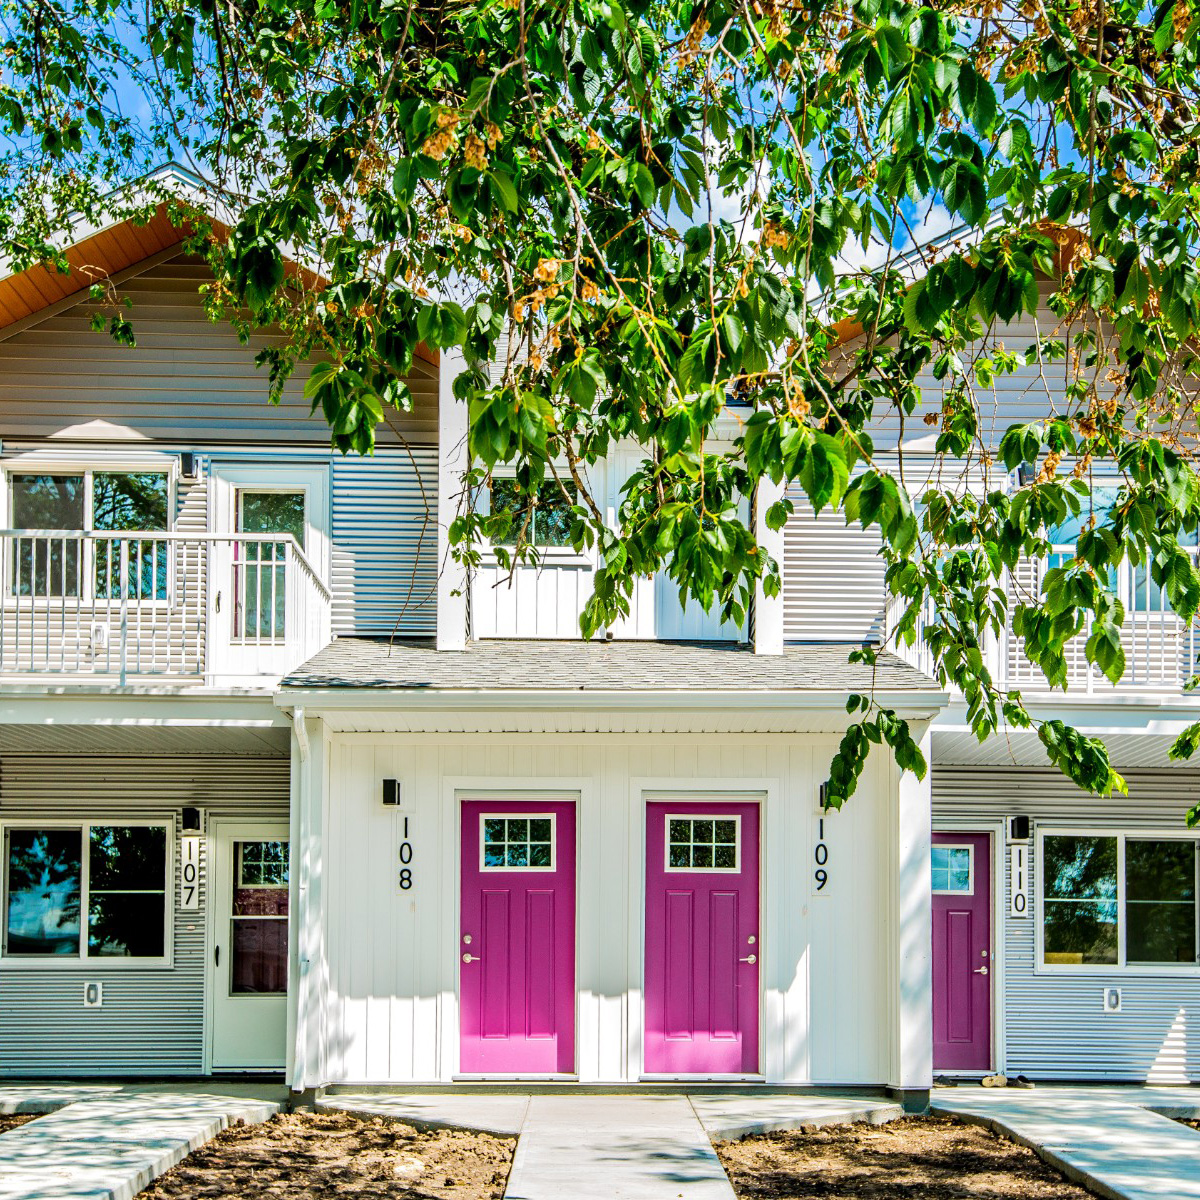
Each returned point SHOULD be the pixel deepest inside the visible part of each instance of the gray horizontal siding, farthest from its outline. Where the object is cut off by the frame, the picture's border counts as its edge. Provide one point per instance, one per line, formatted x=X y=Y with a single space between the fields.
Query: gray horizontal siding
x=152 y=1021
x=385 y=542
x=187 y=378
x=1054 y=1025
x=832 y=578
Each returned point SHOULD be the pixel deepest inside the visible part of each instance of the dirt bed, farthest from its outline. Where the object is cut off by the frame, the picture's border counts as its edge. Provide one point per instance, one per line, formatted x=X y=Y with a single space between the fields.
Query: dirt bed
x=336 y=1156
x=917 y=1158
x=14 y=1120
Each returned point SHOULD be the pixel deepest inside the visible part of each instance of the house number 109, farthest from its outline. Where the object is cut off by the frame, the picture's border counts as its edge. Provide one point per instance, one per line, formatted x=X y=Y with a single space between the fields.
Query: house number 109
x=405 y=878
x=821 y=856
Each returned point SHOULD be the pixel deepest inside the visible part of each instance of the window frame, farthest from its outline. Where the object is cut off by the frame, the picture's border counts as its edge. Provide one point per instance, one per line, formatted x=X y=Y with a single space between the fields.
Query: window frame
x=484 y=817
x=1122 y=966
x=736 y=818
x=88 y=593
x=81 y=961
x=546 y=555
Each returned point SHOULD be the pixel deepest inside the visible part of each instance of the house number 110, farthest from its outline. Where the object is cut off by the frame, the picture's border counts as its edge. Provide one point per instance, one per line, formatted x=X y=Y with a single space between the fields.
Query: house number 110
x=405 y=878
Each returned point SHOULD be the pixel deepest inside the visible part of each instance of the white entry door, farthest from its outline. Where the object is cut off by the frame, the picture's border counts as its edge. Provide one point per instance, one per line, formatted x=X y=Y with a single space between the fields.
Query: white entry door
x=255 y=615
x=248 y=963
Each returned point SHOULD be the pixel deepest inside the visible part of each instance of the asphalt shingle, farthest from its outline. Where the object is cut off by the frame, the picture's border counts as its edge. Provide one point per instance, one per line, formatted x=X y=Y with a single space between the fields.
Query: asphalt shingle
x=503 y=664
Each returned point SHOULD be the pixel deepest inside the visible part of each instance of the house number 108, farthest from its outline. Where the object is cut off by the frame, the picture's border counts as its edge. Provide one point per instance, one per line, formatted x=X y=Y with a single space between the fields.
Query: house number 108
x=406 y=856
x=821 y=856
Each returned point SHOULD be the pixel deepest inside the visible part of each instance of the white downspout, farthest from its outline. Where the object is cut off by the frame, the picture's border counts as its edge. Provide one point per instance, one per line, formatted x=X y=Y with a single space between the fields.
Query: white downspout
x=298 y=947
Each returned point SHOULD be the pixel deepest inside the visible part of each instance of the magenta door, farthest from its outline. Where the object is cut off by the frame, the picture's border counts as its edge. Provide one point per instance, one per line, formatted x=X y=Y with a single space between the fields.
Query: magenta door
x=516 y=944
x=702 y=938
x=962 y=952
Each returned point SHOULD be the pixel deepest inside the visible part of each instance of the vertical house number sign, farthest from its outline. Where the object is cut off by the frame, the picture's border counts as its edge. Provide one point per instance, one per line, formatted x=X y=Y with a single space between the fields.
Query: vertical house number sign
x=821 y=857
x=189 y=873
x=404 y=878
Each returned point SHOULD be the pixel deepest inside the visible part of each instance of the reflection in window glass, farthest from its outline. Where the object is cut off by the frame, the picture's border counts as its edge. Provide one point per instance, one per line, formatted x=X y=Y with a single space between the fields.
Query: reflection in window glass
x=549 y=514
x=1079 y=891
x=43 y=888
x=261 y=586
x=518 y=842
x=258 y=963
x=46 y=566
x=1160 y=901
x=124 y=502
x=1100 y=504
x=127 y=891
x=702 y=843
x=951 y=867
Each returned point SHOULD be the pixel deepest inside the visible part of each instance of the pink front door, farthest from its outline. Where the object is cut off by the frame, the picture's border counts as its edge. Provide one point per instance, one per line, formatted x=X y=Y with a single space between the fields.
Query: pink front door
x=516 y=945
x=962 y=952
x=703 y=951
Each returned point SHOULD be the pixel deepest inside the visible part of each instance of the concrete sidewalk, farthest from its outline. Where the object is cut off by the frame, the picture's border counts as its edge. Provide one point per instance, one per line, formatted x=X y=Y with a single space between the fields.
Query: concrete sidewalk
x=631 y=1147
x=1117 y=1142
x=107 y=1143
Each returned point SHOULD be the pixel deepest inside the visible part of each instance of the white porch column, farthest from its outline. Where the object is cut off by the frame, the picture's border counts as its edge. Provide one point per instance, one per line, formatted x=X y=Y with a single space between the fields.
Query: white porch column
x=912 y=932
x=452 y=463
x=768 y=610
x=308 y=990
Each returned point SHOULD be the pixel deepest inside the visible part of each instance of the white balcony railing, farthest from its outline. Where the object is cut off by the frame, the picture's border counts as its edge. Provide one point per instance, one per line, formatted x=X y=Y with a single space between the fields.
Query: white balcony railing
x=1162 y=652
x=141 y=606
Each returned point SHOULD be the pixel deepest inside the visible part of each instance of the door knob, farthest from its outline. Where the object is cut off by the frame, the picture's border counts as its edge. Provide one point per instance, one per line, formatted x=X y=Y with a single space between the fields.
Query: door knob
x=750 y=959
x=470 y=958
x=979 y=971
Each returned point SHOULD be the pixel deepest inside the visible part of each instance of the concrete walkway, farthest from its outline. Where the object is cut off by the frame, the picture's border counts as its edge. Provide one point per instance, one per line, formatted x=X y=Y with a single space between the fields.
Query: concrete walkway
x=1117 y=1142
x=107 y=1143
x=627 y=1147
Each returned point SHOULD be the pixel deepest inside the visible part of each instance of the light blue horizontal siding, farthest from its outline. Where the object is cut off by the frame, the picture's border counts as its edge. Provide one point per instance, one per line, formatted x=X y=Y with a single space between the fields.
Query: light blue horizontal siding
x=1054 y=1024
x=385 y=543
x=152 y=1021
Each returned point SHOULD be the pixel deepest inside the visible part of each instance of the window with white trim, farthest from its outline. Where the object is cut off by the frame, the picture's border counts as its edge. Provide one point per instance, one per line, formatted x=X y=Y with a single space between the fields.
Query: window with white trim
x=517 y=843
x=1117 y=900
x=951 y=870
x=543 y=519
x=702 y=843
x=89 y=502
x=95 y=891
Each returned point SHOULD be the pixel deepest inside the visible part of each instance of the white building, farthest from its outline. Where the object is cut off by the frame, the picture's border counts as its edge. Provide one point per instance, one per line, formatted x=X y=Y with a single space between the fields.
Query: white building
x=294 y=797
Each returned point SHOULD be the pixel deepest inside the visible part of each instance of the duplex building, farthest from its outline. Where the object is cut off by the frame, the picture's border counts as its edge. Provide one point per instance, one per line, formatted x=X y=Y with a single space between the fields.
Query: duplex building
x=282 y=790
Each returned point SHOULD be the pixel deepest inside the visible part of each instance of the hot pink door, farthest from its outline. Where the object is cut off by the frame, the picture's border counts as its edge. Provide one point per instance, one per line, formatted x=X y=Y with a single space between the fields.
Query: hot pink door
x=702 y=939
x=962 y=952
x=517 y=941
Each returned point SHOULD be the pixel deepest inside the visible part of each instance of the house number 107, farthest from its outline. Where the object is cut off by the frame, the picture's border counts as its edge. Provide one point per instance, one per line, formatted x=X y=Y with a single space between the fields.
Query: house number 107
x=405 y=878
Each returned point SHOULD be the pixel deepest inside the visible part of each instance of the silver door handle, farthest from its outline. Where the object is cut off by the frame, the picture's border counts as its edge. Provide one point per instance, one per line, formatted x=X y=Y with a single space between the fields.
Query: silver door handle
x=750 y=959
x=979 y=971
x=470 y=958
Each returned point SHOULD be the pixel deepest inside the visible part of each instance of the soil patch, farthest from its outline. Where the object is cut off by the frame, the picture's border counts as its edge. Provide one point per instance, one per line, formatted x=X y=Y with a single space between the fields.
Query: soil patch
x=338 y=1156
x=915 y=1158
x=13 y=1120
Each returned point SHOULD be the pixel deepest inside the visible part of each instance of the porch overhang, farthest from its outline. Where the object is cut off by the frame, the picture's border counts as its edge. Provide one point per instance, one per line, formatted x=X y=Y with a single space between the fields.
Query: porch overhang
x=1138 y=730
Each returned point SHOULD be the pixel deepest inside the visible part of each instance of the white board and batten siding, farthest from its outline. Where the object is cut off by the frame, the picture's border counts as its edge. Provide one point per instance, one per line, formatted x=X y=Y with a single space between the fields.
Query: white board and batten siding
x=152 y=1019
x=394 y=954
x=1054 y=1023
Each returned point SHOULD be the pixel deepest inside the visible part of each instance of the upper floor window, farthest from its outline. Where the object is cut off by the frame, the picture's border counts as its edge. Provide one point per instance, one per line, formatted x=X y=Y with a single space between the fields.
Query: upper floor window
x=85 y=892
x=541 y=520
x=1119 y=900
x=89 y=502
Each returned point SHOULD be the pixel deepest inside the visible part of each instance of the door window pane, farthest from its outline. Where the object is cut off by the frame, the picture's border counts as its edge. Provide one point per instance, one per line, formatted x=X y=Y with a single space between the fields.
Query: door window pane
x=544 y=520
x=258 y=962
x=702 y=844
x=42 y=883
x=127 y=896
x=46 y=566
x=1160 y=901
x=951 y=867
x=519 y=842
x=1079 y=890
x=261 y=569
